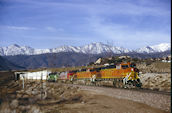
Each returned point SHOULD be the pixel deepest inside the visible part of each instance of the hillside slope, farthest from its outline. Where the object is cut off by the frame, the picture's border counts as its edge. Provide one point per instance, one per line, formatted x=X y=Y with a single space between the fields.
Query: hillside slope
x=69 y=59
x=7 y=65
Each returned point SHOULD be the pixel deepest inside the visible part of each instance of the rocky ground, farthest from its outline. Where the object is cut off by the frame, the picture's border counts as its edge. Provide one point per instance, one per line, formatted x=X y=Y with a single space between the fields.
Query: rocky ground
x=156 y=75
x=156 y=81
x=45 y=97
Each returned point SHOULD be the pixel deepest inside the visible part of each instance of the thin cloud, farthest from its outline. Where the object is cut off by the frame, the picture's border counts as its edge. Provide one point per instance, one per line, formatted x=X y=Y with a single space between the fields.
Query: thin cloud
x=104 y=7
x=53 y=29
x=20 y=28
x=125 y=34
x=109 y=7
x=118 y=20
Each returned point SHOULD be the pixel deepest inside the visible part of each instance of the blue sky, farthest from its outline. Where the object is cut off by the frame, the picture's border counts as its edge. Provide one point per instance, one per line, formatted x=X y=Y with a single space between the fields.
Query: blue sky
x=53 y=23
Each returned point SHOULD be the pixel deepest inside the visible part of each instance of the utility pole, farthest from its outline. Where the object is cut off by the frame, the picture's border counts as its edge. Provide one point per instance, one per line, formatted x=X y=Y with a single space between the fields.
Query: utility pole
x=23 y=80
x=41 y=87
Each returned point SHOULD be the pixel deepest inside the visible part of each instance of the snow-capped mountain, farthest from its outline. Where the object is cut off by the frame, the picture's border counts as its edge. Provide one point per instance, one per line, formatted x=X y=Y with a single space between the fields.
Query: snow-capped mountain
x=16 y=50
x=93 y=48
x=161 y=47
x=155 y=48
x=97 y=48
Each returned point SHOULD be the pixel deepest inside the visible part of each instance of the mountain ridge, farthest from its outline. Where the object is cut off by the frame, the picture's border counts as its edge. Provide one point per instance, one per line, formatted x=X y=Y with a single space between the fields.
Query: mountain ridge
x=70 y=59
x=93 y=48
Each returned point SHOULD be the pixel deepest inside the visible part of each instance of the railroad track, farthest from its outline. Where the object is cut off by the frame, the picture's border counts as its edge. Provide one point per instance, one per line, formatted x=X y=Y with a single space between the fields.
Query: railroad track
x=143 y=90
x=152 y=91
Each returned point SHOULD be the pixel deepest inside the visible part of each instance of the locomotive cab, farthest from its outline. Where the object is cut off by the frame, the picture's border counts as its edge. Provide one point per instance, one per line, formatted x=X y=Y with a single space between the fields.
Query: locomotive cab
x=52 y=77
x=133 y=65
x=131 y=74
x=72 y=75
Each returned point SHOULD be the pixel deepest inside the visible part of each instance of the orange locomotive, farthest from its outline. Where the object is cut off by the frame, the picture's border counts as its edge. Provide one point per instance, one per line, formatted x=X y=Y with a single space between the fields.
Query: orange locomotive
x=121 y=75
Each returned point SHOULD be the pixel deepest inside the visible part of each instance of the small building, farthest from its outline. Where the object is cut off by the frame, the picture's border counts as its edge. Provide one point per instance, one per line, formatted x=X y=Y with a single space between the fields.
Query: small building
x=164 y=61
x=106 y=64
x=38 y=75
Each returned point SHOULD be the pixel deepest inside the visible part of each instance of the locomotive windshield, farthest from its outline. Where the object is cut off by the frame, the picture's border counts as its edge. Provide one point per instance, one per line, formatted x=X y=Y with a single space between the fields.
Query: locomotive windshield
x=133 y=65
x=124 y=66
x=52 y=73
x=102 y=68
x=111 y=66
x=74 y=71
x=83 y=69
x=97 y=69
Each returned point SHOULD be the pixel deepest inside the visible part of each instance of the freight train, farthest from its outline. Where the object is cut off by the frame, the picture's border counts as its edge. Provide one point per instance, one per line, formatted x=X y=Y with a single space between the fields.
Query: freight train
x=123 y=75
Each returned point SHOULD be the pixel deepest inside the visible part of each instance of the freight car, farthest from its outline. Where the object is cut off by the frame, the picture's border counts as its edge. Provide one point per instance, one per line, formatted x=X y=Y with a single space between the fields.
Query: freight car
x=121 y=75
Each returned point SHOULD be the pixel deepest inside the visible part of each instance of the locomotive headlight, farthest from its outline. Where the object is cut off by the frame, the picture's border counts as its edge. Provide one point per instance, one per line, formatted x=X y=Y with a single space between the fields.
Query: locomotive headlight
x=132 y=69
